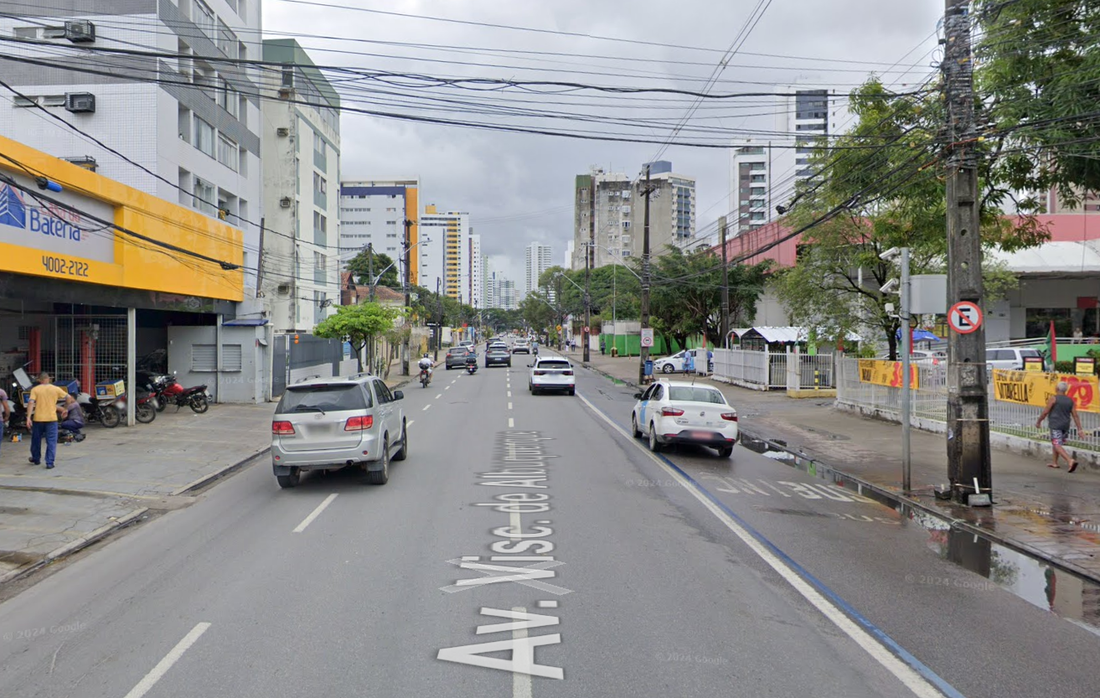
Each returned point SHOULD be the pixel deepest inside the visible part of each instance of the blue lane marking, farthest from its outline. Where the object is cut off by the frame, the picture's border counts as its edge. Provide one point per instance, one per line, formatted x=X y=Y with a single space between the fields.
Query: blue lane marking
x=899 y=651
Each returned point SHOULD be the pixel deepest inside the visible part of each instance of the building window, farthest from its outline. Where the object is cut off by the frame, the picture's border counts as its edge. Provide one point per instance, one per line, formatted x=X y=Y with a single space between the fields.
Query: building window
x=756 y=166
x=759 y=179
x=204 y=136
x=320 y=186
x=204 y=197
x=229 y=153
x=205 y=19
x=232 y=357
x=227 y=40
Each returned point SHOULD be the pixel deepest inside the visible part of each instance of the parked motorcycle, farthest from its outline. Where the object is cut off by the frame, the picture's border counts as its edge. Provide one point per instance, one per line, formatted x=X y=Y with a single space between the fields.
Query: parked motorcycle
x=194 y=397
x=103 y=411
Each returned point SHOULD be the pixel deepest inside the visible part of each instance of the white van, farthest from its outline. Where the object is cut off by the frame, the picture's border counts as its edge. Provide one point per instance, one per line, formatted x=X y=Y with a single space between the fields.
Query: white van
x=1011 y=358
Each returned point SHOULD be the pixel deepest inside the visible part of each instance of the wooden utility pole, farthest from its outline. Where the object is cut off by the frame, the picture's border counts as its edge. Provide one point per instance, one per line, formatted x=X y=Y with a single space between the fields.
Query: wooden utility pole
x=643 y=353
x=725 y=323
x=968 y=457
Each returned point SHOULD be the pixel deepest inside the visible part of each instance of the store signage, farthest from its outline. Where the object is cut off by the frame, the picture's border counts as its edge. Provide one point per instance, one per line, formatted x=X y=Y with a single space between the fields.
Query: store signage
x=1030 y=388
x=68 y=238
x=886 y=373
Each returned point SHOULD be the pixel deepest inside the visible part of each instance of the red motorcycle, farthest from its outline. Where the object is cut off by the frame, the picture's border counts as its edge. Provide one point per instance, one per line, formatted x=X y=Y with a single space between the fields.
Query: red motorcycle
x=169 y=391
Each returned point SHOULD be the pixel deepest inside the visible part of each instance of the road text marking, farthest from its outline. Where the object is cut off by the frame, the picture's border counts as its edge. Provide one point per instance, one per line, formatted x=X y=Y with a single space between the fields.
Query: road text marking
x=165 y=664
x=316 y=512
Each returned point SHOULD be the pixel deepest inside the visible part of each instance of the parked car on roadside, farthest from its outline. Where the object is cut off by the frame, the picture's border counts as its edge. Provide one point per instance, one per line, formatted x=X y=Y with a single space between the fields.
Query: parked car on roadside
x=670 y=412
x=331 y=423
x=1011 y=358
x=552 y=374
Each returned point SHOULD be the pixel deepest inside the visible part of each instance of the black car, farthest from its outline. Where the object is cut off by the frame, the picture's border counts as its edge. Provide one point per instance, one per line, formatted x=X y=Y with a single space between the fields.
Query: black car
x=456 y=357
x=498 y=356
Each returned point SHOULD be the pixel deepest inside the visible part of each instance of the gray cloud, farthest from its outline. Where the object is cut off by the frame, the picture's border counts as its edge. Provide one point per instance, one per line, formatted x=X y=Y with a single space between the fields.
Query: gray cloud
x=500 y=178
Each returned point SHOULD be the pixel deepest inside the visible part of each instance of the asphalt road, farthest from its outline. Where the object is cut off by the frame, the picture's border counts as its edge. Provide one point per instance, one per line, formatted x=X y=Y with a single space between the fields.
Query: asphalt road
x=614 y=575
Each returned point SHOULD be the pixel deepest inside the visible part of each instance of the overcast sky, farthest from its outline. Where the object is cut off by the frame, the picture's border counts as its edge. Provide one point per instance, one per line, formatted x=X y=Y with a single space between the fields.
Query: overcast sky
x=518 y=188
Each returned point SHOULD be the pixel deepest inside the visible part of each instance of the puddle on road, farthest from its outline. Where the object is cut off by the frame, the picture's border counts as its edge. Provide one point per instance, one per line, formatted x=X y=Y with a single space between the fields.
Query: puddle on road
x=1067 y=595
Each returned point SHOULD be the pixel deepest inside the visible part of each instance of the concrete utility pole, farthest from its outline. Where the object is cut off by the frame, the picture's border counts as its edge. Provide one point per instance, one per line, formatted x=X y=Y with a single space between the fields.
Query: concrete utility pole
x=643 y=353
x=589 y=262
x=587 y=304
x=968 y=457
x=408 y=303
x=725 y=324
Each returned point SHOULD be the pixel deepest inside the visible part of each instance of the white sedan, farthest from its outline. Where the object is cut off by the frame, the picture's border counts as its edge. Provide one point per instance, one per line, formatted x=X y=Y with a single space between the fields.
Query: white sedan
x=552 y=373
x=678 y=412
x=670 y=364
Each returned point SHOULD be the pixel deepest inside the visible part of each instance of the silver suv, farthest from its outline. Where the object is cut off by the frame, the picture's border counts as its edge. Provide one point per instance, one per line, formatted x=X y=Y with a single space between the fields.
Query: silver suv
x=1011 y=358
x=336 y=422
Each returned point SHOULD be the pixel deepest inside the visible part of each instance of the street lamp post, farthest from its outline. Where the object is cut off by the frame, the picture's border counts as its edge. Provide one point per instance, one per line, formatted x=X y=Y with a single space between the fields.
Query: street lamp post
x=902 y=255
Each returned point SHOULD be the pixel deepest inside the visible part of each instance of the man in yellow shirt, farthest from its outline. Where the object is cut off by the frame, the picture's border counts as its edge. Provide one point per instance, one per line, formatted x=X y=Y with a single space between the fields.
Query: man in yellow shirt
x=42 y=418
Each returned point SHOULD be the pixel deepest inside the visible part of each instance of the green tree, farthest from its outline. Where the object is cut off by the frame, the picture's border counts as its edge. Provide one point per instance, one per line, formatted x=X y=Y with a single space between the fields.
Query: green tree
x=357 y=324
x=880 y=186
x=1038 y=78
x=360 y=264
x=538 y=312
x=686 y=297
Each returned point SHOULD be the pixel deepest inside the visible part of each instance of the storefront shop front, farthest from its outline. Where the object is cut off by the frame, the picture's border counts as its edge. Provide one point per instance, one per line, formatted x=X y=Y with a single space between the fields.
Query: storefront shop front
x=99 y=280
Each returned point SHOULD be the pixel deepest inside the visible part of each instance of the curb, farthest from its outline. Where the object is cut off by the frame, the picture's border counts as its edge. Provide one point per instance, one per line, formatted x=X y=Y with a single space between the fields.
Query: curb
x=76 y=545
x=210 y=477
x=899 y=501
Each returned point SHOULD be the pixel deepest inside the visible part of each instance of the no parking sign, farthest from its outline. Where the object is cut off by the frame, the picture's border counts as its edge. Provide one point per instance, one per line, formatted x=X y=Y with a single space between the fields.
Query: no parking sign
x=965 y=317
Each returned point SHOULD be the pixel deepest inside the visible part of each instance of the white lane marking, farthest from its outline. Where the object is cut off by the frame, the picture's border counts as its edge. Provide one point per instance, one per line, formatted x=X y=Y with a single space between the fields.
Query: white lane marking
x=409 y=423
x=316 y=512
x=902 y=671
x=425 y=409
x=509 y=393
x=454 y=381
x=511 y=423
x=509 y=405
x=173 y=656
x=447 y=388
x=521 y=680
x=439 y=395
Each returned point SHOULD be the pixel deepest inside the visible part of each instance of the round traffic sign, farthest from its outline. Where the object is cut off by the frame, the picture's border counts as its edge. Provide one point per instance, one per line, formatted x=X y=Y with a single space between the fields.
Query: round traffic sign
x=965 y=317
x=586 y=330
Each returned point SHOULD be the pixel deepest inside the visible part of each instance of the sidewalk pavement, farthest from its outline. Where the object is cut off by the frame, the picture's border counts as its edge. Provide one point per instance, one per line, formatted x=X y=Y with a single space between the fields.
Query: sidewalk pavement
x=1047 y=513
x=118 y=476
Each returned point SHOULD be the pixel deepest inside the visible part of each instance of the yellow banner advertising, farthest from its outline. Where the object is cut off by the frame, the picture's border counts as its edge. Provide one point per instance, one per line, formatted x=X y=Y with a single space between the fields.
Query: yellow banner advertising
x=886 y=373
x=1030 y=388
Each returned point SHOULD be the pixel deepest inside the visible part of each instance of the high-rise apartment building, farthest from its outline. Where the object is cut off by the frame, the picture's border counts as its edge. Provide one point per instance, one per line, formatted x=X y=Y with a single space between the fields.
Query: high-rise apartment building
x=445 y=252
x=300 y=271
x=378 y=213
x=477 y=273
x=537 y=259
x=609 y=212
x=764 y=172
x=187 y=125
x=500 y=292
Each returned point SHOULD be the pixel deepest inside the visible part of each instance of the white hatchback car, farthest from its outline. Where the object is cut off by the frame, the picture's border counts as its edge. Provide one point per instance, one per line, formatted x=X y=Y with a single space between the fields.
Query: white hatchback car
x=679 y=412
x=552 y=373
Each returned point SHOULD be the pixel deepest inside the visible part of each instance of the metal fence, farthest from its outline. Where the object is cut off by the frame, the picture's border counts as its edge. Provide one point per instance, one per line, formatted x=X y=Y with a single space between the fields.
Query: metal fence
x=766 y=370
x=929 y=402
x=290 y=358
x=89 y=348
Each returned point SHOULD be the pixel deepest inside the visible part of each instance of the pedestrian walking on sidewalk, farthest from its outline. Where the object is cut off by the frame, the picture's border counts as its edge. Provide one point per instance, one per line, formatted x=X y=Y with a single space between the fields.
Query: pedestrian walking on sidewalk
x=42 y=418
x=1060 y=409
x=7 y=413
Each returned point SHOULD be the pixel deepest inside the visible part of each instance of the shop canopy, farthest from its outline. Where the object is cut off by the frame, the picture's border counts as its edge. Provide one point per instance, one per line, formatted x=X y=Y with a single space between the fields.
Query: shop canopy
x=921 y=336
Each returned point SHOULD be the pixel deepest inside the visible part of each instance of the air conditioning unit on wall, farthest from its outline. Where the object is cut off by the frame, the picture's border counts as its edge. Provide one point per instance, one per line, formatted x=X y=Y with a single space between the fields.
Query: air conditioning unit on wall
x=80 y=32
x=282 y=132
x=80 y=102
x=285 y=202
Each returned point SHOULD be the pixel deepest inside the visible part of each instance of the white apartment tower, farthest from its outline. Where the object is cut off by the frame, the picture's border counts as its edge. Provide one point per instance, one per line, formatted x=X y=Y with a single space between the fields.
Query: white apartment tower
x=445 y=252
x=537 y=260
x=477 y=273
x=381 y=213
x=194 y=134
x=300 y=278
x=765 y=172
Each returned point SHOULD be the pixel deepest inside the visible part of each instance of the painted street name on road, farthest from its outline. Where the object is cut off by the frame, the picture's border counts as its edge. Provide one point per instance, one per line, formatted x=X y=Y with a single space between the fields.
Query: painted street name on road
x=521 y=556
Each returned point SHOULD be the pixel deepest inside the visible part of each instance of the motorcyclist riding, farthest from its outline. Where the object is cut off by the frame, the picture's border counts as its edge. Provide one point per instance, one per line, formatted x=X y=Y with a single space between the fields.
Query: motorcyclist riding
x=425 y=365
